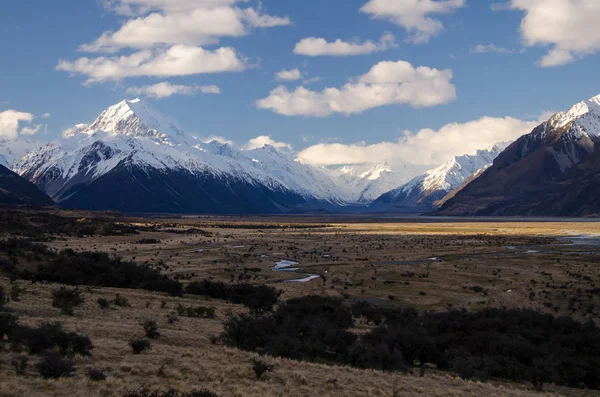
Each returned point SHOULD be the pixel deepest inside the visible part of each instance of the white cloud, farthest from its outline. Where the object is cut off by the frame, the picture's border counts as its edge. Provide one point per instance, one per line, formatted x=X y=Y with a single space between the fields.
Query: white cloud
x=426 y=147
x=483 y=48
x=413 y=15
x=217 y=138
x=569 y=26
x=258 y=20
x=193 y=23
x=178 y=60
x=289 y=75
x=11 y=121
x=386 y=83
x=311 y=80
x=264 y=140
x=210 y=89
x=315 y=47
x=165 y=89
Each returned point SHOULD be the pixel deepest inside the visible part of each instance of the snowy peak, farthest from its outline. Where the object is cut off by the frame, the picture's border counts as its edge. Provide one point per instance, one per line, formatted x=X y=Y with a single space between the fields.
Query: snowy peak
x=135 y=118
x=377 y=171
x=584 y=109
x=426 y=189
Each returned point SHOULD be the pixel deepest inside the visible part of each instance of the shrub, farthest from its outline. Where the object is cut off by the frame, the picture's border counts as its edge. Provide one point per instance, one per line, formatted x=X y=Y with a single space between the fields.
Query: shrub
x=148 y=241
x=199 y=312
x=151 y=329
x=258 y=298
x=2 y=298
x=66 y=299
x=143 y=392
x=260 y=368
x=103 y=303
x=53 y=366
x=20 y=364
x=15 y=292
x=100 y=269
x=517 y=345
x=8 y=323
x=121 y=301
x=95 y=374
x=140 y=345
x=51 y=336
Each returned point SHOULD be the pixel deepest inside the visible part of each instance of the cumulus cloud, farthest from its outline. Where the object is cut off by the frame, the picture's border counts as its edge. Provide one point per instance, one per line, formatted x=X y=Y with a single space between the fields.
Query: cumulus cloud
x=163 y=38
x=427 y=147
x=193 y=23
x=165 y=89
x=315 y=47
x=217 y=138
x=413 y=15
x=11 y=124
x=570 y=27
x=178 y=60
x=261 y=141
x=289 y=75
x=386 y=83
x=483 y=48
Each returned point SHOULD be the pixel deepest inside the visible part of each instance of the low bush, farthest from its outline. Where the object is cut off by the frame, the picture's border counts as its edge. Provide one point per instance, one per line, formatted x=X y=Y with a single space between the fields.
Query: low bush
x=53 y=366
x=517 y=345
x=260 y=368
x=66 y=299
x=143 y=392
x=196 y=312
x=258 y=298
x=96 y=375
x=140 y=345
x=151 y=329
x=100 y=269
x=103 y=303
x=50 y=337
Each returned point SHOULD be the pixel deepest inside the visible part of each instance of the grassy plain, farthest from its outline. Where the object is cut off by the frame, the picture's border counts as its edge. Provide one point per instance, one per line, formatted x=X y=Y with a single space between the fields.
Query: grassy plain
x=433 y=265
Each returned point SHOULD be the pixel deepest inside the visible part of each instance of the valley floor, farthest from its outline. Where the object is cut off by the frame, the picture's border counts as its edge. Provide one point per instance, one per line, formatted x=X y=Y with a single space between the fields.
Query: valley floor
x=547 y=266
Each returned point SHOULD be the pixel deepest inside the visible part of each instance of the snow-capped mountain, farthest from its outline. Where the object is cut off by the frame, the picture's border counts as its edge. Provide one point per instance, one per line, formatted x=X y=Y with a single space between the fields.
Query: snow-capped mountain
x=12 y=150
x=424 y=190
x=365 y=183
x=551 y=171
x=133 y=159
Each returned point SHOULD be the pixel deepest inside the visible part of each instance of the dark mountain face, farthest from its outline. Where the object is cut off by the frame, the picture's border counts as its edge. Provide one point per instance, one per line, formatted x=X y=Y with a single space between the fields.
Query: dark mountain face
x=128 y=188
x=17 y=190
x=550 y=172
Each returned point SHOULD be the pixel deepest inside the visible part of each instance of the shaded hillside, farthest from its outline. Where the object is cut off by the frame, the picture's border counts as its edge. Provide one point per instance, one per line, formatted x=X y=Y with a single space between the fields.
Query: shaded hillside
x=16 y=190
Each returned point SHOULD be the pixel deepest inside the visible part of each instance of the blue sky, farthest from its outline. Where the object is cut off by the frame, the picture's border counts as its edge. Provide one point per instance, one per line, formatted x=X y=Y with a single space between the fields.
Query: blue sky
x=527 y=72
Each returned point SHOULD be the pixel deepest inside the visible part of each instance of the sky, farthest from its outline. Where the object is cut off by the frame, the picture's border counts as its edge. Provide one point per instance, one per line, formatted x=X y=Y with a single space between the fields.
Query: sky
x=334 y=81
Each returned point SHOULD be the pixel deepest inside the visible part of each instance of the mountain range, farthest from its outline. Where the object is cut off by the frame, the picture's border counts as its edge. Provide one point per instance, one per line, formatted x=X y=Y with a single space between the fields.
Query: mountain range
x=553 y=171
x=424 y=191
x=133 y=159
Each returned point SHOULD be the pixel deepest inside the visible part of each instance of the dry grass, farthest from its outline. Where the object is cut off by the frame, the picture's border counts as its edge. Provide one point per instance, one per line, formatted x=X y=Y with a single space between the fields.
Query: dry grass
x=357 y=261
x=189 y=360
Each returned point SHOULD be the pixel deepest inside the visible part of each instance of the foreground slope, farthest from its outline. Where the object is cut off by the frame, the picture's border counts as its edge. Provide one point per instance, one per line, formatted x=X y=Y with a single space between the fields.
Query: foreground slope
x=550 y=172
x=16 y=190
x=133 y=159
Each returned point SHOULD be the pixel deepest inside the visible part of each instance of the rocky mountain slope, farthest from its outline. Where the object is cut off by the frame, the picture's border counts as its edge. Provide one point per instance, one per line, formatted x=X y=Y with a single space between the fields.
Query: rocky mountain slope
x=422 y=192
x=553 y=171
x=16 y=190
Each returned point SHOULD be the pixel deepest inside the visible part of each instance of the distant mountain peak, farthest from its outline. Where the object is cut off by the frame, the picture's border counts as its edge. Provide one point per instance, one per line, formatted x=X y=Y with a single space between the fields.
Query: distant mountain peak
x=136 y=118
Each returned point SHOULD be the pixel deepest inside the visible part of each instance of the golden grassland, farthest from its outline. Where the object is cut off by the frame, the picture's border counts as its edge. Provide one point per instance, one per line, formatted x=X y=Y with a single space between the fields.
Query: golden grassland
x=189 y=360
x=385 y=263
